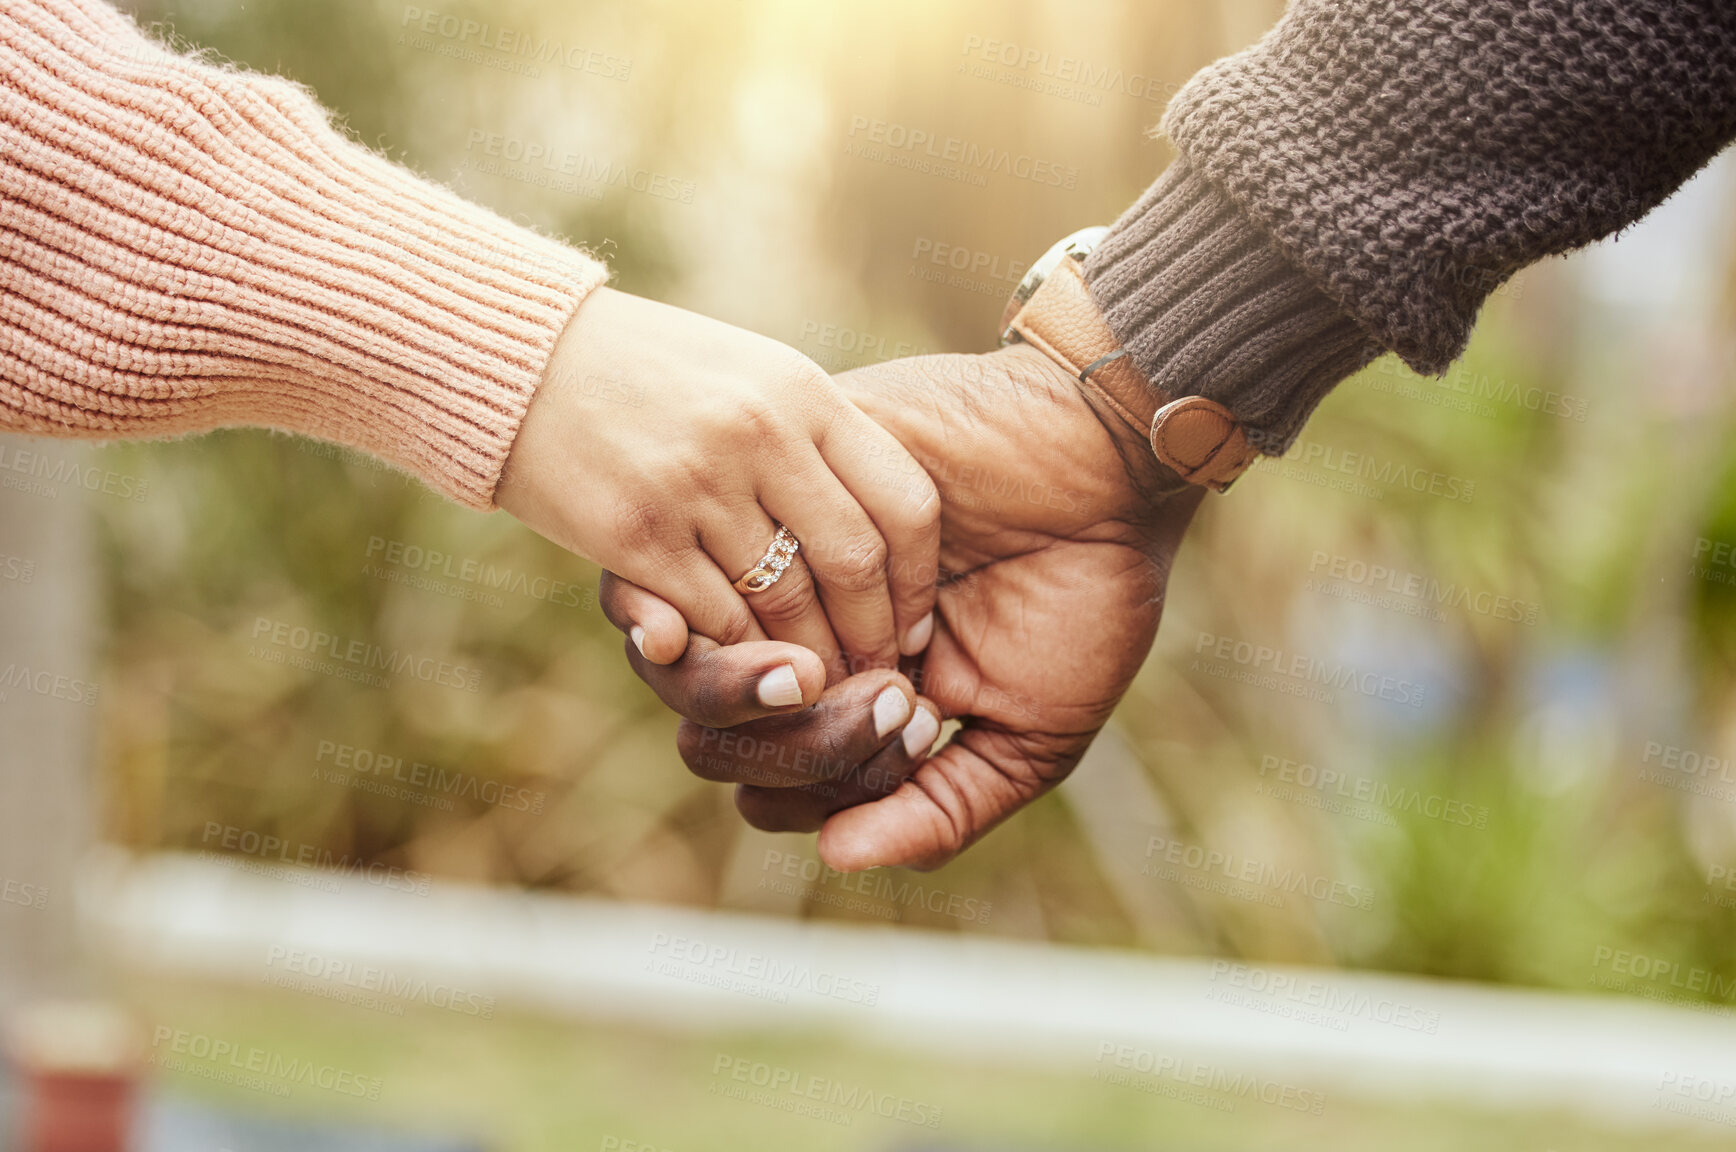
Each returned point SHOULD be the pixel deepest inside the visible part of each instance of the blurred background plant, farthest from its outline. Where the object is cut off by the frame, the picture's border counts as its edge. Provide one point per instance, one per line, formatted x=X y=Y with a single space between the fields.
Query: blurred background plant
x=1555 y=602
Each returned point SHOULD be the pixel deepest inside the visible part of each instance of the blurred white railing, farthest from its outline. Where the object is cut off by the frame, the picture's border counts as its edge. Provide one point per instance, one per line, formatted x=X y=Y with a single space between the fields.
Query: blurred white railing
x=981 y=997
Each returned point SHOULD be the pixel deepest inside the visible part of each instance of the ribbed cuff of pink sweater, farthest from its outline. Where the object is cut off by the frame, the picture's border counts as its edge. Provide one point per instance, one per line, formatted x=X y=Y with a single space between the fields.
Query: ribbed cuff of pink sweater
x=185 y=247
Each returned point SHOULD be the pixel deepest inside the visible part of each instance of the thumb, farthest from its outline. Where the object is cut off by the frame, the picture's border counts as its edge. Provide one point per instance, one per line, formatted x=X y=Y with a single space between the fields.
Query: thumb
x=984 y=775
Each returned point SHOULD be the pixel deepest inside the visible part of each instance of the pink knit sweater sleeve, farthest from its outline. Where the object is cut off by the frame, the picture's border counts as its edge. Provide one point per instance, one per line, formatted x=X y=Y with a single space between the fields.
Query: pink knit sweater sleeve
x=185 y=247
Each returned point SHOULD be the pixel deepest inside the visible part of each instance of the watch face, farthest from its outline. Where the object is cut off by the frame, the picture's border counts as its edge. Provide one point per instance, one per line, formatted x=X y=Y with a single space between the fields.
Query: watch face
x=1078 y=246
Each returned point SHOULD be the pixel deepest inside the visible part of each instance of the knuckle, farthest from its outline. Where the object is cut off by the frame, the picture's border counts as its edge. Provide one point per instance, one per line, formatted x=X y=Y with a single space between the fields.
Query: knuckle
x=915 y=583
x=733 y=420
x=826 y=409
x=950 y=821
x=921 y=509
x=706 y=680
x=856 y=563
x=771 y=812
x=728 y=755
x=883 y=659
x=711 y=768
x=833 y=752
x=735 y=627
x=698 y=747
x=952 y=840
x=756 y=422
x=800 y=374
x=707 y=700
x=698 y=479
x=612 y=594
x=640 y=520
x=786 y=601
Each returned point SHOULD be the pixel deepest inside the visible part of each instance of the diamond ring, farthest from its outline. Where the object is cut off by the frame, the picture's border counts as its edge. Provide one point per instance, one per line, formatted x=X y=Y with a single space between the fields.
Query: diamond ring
x=771 y=567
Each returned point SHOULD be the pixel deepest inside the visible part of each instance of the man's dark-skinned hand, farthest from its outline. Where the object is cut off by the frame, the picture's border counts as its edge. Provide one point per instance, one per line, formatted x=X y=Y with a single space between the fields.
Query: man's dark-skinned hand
x=1057 y=534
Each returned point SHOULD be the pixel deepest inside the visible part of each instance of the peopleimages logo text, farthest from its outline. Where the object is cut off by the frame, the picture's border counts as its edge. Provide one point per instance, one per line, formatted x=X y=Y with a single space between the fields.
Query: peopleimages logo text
x=964 y=153
x=878 y=885
x=1666 y=972
x=366 y=978
x=850 y=1099
x=363 y=659
x=38 y=466
x=1323 y=995
x=263 y=846
x=1119 y=1063
x=384 y=767
x=433 y=562
x=45 y=683
x=168 y=1043
x=764 y=968
x=1374 y=470
x=1689 y=762
x=1424 y=589
x=581 y=167
x=511 y=42
x=1303 y=669
x=1247 y=870
x=24 y=895
x=1068 y=70
x=1395 y=797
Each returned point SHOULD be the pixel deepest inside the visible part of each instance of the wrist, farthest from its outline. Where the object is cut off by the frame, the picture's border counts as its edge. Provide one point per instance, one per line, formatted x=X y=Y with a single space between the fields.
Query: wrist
x=539 y=484
x=1151 y=480
x=1197 y=440
x=588 y=392
x=581 y=356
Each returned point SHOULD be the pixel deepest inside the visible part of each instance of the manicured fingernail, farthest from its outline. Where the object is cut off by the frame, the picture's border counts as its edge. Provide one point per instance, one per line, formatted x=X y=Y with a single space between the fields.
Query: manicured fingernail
x=637 y=632
x=917 y=636
x=891 y=710
x=780 y=688
x=919 y=734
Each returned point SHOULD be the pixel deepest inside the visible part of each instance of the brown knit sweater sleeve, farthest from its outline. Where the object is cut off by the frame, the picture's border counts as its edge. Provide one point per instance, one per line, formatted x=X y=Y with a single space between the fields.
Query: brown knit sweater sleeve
x=1363 y=177
x=184 y=246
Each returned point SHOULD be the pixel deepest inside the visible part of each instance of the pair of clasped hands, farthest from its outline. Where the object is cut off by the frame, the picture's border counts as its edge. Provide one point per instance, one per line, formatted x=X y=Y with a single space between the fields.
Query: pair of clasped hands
x=979 y=540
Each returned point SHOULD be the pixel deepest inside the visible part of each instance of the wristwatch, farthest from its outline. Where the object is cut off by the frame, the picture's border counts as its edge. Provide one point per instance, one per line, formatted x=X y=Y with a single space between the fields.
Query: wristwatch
x=1052 y=310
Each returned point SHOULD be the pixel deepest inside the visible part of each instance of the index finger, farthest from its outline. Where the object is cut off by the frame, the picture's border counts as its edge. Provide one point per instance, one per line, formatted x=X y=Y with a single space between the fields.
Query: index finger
x=902 y=500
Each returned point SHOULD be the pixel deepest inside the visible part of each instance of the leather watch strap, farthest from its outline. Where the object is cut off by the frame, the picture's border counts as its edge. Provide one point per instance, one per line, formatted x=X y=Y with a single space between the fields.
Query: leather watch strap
x=1199 y=439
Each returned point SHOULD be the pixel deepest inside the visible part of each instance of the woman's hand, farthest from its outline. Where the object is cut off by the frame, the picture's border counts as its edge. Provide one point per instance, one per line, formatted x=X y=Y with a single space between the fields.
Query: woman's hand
x=1058 y=534
x=667 y=447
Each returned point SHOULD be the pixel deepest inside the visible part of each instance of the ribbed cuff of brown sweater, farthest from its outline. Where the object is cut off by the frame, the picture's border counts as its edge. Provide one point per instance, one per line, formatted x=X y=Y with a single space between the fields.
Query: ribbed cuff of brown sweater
x=1208 y=306
x=184 y=247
